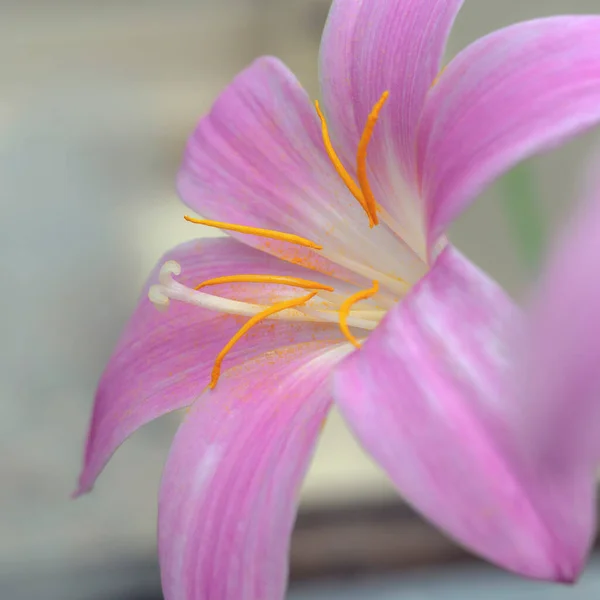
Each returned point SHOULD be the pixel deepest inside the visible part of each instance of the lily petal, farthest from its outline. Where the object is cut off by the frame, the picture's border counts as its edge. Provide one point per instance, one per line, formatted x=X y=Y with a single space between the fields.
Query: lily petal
x=371 y=47
x=426 y=396
x=515 y=92
x=258 y=159
x=163 y=359
x=560 y=381
x=231 y=484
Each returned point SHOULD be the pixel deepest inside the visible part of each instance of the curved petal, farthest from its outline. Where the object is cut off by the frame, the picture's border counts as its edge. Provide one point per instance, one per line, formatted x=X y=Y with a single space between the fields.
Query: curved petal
x=517 y=91
x=367 y=48
x=163 y=359
x=258 y=159
x=427 y=397
x=560 y=379
x=230 y=487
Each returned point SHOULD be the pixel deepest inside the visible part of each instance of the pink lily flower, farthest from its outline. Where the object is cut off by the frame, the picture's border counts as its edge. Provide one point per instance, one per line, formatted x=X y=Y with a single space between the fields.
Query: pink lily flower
x=336 y=222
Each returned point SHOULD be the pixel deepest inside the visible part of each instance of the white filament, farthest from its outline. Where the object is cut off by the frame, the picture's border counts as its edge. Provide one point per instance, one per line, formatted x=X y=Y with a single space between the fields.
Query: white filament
x=169 y=289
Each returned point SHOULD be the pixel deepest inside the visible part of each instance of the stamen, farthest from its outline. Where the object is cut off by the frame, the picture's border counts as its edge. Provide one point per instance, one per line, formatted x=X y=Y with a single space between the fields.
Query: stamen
x=216 y=372
x=266 y=233
x=277 y=279
x=361 y=157
x=339 y=167
x=345 y=311
x=361 y=191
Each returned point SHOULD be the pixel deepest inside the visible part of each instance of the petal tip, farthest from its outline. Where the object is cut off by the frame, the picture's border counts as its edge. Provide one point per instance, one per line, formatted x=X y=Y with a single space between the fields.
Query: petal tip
x=569 y=574
x=78 y=492
x=84 y=485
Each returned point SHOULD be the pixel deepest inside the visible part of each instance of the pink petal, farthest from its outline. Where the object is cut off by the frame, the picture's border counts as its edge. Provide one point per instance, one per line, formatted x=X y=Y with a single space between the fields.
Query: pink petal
x=511 y=94
x=163 y=359
x=231 y=484
x=560 y=393
x=427 y=397
x=370 y=47
x=258 y=159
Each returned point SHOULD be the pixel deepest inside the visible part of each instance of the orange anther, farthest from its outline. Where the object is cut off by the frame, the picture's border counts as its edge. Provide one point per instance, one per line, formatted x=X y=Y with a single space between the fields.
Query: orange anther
x=339 y=167
x=361 y=191
x=361 y=157
x=267 y=233
x=276 y=279
x=345 y=311
x=216 y=372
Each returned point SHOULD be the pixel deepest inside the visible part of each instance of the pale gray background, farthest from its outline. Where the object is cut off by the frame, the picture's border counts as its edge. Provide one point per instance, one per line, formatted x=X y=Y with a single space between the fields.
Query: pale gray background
x=97 y=100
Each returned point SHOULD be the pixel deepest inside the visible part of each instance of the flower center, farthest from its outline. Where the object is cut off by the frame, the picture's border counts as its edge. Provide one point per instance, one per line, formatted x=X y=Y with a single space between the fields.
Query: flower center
x=323 y=303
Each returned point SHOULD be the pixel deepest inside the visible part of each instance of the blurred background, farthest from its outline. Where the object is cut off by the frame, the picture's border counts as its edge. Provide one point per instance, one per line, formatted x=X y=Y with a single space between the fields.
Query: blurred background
x=97 y=101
